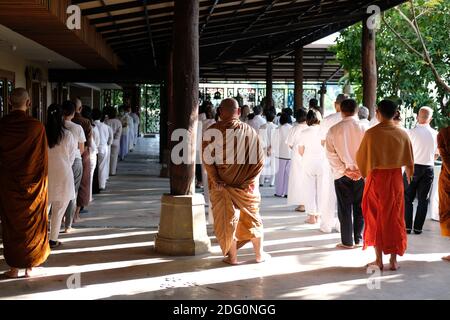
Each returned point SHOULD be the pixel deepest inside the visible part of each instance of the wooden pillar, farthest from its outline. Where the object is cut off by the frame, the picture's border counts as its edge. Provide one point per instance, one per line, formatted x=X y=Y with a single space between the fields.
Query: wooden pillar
x=269 y=83
x=369 y=68
x=323 y=92
x=185 y=88
x=298 y=79
x=182 y=226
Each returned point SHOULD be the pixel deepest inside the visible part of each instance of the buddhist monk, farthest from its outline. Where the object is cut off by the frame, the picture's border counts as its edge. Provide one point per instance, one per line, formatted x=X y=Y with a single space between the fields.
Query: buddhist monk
x=384 y=150
x=233 y=182
x=23 y=187
x=444 y=183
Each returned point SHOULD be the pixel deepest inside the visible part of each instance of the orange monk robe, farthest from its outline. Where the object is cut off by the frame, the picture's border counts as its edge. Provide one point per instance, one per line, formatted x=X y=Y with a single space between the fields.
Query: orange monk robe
x=235 y=207
x=385 y=149
x=444 y=181
x=23 y=190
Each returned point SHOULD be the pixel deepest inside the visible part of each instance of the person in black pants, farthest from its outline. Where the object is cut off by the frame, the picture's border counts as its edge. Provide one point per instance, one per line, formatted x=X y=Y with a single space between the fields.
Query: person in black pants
x=342 y=143
x=424 y=143
x=421 y=186
x=349 y=195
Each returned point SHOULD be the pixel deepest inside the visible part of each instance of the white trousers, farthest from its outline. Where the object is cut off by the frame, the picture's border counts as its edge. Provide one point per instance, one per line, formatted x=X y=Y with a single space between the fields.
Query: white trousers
x=329 y=219
x=313 y=185
x=115 y=148
x=103 y=169
x=58 y=209
x=93 y=166
x=108 y=162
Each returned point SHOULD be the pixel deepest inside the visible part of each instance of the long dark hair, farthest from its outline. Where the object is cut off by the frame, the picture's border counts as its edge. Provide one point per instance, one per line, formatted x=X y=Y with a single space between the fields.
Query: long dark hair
x=55 y=125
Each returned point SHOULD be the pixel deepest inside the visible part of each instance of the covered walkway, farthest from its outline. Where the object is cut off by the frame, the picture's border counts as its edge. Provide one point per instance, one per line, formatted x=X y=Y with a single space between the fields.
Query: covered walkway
x=111 y=255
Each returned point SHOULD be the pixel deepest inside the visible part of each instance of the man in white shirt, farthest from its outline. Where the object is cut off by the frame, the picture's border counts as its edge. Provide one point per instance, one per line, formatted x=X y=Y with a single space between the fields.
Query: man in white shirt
x=329 y=219
x=265 y=136
x=103 y=131
x=342 y=143
x=282 y=156
x=424 y=142
x=258 y=120
x=77 y=167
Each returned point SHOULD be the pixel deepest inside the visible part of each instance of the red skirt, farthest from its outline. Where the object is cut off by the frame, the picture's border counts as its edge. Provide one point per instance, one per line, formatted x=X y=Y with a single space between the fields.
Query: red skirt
x=384 y=211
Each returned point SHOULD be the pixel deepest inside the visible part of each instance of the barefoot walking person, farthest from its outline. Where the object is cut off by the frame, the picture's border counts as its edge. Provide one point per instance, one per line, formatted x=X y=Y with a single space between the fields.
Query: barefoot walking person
x=233 y=183
x=385 y=149
x=23 y=187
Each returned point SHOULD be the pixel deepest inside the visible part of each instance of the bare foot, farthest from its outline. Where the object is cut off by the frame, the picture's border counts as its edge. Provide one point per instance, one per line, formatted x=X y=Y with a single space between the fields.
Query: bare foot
x=393 y=265
x=68 y=230
x=311 y=220
x=13 y=273
x=447 y=258
x=343 y=246
x=376 y=263
x=230 y=261
x=263 y=258
x=29 y=273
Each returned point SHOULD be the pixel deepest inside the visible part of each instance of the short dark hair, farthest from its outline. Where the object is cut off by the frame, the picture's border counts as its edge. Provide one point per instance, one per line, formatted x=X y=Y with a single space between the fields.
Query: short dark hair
x=96 y=114
x=314 y=103
x=68 y=108
x=288 y=111
x=301 y=115
x=270 y=116
x=284 y=118
x=387 y=109
x=311 y=118
x=257 y=110
x=349 y=106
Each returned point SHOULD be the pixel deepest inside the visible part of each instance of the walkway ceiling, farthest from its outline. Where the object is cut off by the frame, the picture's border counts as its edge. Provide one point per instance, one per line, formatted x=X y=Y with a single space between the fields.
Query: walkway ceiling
x=231 y=31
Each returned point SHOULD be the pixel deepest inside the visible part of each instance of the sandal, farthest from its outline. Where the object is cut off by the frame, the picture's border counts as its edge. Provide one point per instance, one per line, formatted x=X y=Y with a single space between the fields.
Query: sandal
x=54 y=244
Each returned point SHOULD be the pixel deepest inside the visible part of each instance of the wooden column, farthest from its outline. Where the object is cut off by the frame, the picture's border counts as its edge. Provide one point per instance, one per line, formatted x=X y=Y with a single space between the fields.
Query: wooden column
x=369 y=68
x=269 y=83
x=323 y=92
x=185 y=88
x=298 y=79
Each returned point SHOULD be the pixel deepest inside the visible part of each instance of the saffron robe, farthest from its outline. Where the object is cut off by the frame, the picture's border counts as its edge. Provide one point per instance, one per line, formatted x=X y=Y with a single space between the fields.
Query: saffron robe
x=236 y=206
x=23 y=190
x=384 y=150
x=444 y=181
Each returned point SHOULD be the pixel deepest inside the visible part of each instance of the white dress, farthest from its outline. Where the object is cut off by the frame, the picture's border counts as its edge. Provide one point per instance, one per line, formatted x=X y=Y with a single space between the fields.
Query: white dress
x=265 y=135
x=61 y=186
x=295 y=180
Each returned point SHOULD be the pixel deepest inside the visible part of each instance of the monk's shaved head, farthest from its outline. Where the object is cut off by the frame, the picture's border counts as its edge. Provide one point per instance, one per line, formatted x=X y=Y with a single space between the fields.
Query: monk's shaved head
x=425 y=115
x=19 y=98
x=229 y=109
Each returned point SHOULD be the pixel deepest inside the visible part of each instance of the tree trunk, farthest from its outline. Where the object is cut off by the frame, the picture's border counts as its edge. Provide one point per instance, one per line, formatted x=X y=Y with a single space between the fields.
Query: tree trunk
x=369 y=69
x=298 y=79
x=185 y=90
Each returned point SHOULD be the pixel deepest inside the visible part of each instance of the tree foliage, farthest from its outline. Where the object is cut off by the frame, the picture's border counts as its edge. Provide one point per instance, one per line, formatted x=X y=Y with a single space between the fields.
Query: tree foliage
x=401 y=72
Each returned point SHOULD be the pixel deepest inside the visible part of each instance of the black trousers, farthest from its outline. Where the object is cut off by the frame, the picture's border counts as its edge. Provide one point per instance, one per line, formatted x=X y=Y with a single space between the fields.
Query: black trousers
x=420 y=187
x=349 y=197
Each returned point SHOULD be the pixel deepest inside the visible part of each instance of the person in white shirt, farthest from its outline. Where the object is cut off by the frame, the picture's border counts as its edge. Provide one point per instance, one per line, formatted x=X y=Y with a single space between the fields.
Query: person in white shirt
x=296 y=186
x=61 y=155
x=137 y=124
x=329 y=220
x=314 y=172
x=343 y=141
x=257 y=121
x=125 y=139
x=102 y=148
x=116 y=126
x=282 y=156
x=265 y=136
x=424 y=143
x=363 y=115
x=93 y=150
x=77 y=131
x=110 y=142
x=132 y=131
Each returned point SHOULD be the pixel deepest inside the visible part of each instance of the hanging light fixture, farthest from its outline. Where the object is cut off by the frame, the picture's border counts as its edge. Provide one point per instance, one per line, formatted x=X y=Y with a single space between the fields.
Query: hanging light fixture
x=217 y=95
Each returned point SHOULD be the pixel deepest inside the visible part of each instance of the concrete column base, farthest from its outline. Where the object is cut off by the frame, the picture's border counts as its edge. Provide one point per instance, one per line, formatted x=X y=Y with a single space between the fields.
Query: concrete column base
x=182 y=227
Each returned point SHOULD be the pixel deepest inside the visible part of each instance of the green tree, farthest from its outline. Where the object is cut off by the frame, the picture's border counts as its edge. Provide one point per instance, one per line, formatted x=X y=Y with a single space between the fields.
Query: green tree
x=413 y=55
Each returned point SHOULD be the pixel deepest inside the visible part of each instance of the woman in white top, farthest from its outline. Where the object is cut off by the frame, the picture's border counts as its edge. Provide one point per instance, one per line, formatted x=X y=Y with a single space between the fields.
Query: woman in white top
x=295 y=187
x=116 y=126
x=265 y=135
x=93 y=150
x=313 y=153
x=282 y=156
x=102 y=148
x=61 y=155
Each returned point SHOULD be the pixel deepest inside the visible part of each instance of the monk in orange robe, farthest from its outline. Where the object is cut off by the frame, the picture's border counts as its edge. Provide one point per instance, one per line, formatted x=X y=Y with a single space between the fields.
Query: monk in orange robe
x=23 y=188
x=444 y=183
x=233 y=182
x=385 y=149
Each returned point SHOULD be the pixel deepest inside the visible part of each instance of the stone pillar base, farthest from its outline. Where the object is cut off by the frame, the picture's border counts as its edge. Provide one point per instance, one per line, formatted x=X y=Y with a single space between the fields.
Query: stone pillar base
x=182 y=227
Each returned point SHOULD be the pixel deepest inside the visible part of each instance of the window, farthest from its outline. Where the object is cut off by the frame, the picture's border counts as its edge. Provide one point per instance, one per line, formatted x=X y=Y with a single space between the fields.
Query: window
x=6 y=87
